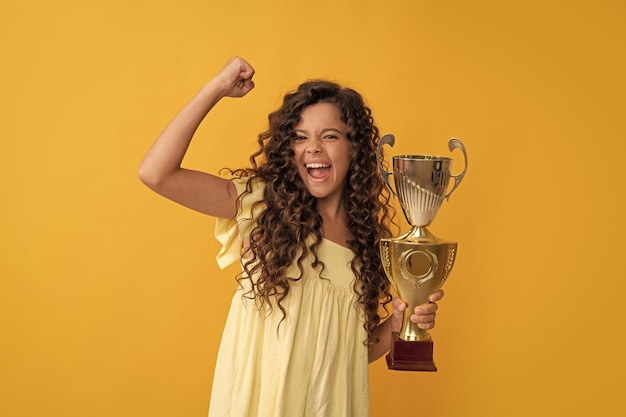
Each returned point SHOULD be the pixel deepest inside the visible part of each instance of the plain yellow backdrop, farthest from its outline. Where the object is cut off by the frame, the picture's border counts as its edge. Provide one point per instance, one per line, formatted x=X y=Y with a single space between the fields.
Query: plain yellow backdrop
x=111 y=301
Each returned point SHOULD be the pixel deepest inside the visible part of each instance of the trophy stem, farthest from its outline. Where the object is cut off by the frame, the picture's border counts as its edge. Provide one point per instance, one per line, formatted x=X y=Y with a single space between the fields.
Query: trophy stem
x=411 y=333
x=419 y=234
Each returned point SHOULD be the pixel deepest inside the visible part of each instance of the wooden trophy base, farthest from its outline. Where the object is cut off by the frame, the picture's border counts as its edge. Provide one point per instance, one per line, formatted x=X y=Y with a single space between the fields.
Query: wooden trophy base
x=410 y=356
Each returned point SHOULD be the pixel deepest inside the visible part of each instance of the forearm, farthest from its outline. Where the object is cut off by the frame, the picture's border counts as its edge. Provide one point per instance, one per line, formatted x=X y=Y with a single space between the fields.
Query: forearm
x=165 y=156
x=383 y=333
x=161 y=168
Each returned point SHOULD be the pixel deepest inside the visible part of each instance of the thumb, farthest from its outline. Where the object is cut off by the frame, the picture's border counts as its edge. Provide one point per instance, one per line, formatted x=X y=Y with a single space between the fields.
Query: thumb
x=245 y=86
x=398 y=308
x=397 y=318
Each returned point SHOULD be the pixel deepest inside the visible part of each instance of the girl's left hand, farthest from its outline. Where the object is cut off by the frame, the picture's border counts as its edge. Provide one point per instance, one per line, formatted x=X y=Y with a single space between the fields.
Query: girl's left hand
x=423 y=315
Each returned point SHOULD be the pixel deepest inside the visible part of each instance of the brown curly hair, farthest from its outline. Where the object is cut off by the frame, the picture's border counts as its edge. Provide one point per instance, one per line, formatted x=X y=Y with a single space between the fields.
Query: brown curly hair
x=290 y=216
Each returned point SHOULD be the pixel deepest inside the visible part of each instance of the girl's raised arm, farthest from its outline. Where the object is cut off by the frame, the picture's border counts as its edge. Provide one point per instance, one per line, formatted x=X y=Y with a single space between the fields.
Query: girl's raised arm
x=161 y=168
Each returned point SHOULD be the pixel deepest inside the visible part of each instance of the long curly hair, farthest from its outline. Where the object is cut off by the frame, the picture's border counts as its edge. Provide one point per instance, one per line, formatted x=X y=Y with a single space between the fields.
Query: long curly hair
x=290 y=227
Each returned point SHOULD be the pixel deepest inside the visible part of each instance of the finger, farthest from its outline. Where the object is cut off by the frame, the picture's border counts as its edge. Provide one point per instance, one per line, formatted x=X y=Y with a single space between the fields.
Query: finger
x=242 y=87
x=244 y=70
x=437 y=296
x=398 y=307
x=427 y=326
x=423 y=318
x=397 y=317
x=424 y=321
x=247 y=86
x=237 y=74
x=425 y=309
x=398 y=304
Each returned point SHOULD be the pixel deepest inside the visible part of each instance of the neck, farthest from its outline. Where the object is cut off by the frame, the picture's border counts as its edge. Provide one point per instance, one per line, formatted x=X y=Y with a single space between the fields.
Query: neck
x=331 y=210
x=335 y=223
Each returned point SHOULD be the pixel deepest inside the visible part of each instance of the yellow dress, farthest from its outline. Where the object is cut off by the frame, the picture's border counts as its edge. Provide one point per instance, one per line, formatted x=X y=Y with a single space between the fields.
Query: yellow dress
x=315 y=364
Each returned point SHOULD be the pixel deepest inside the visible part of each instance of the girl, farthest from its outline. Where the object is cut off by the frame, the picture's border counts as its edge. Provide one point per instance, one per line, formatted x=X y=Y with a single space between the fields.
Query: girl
x=305 y=222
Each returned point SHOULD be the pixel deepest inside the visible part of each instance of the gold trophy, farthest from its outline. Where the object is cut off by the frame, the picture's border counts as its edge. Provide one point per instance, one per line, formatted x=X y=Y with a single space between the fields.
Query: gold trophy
x=417 y=263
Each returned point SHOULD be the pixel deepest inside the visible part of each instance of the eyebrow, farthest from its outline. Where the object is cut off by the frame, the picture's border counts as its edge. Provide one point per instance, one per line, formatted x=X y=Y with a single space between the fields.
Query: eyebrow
x=325 y=130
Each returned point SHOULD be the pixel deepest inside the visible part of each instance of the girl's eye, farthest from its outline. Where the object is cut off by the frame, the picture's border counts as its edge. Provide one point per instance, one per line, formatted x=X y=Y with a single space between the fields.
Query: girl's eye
x=299 y=137
x=330 y=137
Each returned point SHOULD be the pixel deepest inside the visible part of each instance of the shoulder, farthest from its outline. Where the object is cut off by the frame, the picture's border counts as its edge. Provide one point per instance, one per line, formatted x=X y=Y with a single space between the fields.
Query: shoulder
x=250 y=192
x=250 y=188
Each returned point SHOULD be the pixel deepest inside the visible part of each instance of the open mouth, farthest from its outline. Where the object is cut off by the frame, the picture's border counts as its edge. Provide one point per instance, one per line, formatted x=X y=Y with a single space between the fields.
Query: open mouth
x=318 y=170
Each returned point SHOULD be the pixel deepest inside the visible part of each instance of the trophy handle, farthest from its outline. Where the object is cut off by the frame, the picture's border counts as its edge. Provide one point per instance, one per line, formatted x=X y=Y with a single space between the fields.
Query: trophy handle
x=390 y=140
x=453 y=144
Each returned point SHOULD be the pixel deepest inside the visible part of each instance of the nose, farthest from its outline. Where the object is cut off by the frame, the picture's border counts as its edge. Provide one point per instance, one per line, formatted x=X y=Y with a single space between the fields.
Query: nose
x=313 y=146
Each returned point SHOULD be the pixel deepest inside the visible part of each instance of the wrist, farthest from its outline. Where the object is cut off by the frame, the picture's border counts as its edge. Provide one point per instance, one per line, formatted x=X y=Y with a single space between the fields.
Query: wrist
x=216 y=87
x=395 y=323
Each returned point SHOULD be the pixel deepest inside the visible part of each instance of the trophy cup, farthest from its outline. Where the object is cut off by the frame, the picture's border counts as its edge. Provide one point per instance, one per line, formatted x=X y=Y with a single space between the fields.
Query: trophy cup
x=417 y=263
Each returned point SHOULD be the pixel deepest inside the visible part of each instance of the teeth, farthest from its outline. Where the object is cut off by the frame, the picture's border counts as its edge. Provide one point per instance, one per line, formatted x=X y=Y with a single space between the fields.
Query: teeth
x=317 y=165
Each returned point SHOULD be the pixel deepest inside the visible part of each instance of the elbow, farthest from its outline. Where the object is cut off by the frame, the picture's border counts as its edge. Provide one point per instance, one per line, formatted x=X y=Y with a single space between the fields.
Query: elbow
x=143 y=174
x=148 y=176
x=155 y=177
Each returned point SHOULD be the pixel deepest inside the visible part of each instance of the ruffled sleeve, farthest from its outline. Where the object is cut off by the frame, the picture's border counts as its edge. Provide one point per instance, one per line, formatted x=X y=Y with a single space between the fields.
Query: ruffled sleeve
x=231 y=232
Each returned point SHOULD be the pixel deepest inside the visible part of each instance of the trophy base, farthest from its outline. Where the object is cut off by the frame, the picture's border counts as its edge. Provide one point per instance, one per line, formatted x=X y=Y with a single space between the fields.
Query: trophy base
x=410 y=356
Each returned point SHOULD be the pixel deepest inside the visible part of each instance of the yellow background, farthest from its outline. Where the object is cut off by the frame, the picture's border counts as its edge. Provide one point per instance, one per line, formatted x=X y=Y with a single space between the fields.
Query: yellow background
x=111 y=301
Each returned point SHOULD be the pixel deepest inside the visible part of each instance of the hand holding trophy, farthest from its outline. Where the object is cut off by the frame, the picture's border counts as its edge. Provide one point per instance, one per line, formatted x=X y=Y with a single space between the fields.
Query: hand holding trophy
x=417 y=263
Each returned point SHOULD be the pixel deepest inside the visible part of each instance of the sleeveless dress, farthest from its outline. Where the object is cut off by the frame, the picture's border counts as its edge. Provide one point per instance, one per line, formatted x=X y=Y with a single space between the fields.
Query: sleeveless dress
x=315 y=363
